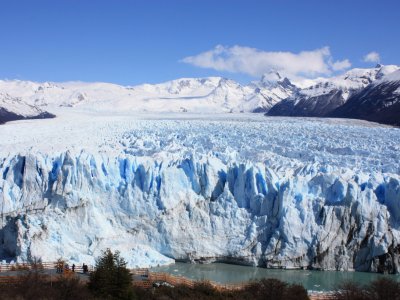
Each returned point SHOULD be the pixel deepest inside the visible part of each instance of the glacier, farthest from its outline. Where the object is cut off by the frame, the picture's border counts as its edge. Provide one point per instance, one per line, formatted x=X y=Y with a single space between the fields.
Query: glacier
x=239 y=188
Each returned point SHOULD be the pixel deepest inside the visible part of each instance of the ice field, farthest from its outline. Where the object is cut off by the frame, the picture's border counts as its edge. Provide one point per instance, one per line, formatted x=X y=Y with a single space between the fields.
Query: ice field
x=243 y=188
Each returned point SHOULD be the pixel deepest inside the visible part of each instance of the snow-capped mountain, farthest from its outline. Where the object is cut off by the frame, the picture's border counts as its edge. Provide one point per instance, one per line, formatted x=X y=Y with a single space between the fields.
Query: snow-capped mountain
x=213 y=94
x=270 y=90
x=326 y=95
x=12 y=109
x=273 y=94
x=378 y=102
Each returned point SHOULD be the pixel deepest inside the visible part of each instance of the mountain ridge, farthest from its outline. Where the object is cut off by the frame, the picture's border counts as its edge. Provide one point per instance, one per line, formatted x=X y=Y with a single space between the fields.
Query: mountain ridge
x=322 y=98
x=273 y=94
x=13 y=109
x=378 y=102
x=210 y=94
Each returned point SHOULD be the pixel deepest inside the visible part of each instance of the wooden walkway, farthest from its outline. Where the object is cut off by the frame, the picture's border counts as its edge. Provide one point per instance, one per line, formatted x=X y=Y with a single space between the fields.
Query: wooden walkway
x=322 y=296
x=143 y=278
x=43 y=265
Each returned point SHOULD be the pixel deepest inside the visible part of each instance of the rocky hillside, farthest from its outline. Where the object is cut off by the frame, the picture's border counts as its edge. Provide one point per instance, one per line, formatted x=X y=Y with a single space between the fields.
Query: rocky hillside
x=378 y=102
x=12 y=109
x=322 y=98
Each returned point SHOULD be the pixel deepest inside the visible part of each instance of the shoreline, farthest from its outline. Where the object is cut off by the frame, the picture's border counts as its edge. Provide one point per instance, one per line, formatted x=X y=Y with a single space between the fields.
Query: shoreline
x=312 y=280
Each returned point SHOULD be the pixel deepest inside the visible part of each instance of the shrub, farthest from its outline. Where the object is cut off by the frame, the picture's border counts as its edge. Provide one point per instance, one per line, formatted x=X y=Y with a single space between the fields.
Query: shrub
x=349 y=290
x=59 y=265
x=34 y=283
x=70 y=287
x=270 y=289
x=205 y=288
x=380 y=289
x=384 y=289
x=296 y=292
x=263 y=289
x=32 y=280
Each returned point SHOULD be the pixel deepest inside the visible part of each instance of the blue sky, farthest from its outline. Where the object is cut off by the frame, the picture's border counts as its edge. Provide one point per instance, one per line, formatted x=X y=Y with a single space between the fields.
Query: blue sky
x=132 y=42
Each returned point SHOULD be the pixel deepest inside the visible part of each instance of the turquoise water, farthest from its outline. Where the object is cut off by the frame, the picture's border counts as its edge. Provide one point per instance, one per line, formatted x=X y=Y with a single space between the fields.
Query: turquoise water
x=226 y=273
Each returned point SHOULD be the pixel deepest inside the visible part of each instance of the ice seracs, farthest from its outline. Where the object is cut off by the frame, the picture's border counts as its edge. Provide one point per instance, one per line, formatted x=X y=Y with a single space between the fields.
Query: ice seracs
x=243 y=188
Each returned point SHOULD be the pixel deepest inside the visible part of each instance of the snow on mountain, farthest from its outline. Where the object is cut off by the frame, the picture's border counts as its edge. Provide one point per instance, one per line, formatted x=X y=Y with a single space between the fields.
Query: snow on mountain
x=267 y=92
x=328 y=94
x=378 y=102
x=274 y=192
x=390 y=77
x=213 y=94
x=16 y=105
x=203 y=95
x=354 y=79
x=15 y=109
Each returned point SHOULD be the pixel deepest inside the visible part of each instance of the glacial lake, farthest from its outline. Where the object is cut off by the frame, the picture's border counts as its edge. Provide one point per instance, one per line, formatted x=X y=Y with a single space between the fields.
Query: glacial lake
x=227 y=273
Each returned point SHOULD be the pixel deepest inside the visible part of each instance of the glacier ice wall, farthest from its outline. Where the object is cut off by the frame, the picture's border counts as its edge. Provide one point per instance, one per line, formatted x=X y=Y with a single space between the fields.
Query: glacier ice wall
x=198 y=209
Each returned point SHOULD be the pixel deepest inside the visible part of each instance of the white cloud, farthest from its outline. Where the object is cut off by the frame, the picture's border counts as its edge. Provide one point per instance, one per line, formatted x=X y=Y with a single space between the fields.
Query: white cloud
x=373 y=57
x=340 y=65
x=254 y=62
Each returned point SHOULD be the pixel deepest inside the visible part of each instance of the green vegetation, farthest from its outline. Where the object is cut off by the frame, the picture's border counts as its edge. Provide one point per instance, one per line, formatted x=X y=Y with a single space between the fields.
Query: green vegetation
x=111 y=279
